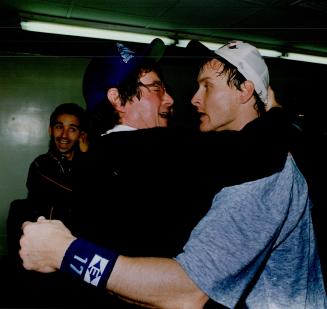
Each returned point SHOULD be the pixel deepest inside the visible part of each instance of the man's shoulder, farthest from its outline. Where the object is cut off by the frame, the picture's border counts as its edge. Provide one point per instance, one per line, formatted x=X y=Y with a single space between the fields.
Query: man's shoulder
x=44 y=158
x=143 y=137
x=286 y=180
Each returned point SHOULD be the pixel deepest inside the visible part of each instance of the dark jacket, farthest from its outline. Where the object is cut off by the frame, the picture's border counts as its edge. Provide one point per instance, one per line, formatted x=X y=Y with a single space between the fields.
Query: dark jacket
x=49 y=184
x=142 y=192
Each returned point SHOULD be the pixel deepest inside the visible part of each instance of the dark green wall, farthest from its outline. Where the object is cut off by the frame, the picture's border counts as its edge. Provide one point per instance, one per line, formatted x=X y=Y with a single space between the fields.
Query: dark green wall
x=30 y=87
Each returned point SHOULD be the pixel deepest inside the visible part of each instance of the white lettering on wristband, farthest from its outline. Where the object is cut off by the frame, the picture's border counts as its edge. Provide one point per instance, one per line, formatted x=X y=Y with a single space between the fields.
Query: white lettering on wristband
x=95 y=270
x=81 y=268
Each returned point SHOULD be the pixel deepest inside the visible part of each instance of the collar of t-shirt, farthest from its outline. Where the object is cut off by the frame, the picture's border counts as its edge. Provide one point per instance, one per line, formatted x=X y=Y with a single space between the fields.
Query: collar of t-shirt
x=118 y=128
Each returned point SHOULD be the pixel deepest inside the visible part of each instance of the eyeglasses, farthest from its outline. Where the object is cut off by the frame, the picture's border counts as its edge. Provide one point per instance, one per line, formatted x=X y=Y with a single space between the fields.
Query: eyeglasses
x=157 y=86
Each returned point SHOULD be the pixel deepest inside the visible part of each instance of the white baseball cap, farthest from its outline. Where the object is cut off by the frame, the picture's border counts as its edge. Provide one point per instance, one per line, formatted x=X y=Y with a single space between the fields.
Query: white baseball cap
x=246 y=58
x=248 y=61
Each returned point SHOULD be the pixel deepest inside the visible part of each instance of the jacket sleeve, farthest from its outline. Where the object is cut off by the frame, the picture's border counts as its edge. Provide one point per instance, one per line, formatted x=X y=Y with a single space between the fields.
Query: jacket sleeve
x=257 y=151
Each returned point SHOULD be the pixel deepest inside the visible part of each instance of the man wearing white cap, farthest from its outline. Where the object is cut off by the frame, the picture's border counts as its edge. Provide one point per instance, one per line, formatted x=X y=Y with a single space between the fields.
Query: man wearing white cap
x=255 y=247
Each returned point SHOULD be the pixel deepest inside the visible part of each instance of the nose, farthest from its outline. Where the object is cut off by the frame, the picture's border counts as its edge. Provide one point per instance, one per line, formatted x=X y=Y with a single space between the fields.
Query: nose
x=64 y=133
x=196 y=99
x=168 y=100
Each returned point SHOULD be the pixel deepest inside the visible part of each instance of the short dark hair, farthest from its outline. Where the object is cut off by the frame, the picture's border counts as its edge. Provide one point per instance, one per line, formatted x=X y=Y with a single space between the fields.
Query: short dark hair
x=131 y=87
x=234 y=78
x=70 y=109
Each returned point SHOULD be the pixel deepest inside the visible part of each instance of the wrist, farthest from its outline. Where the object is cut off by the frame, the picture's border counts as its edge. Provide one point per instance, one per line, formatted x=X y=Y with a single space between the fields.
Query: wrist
x=61 y=251
x=88 y=262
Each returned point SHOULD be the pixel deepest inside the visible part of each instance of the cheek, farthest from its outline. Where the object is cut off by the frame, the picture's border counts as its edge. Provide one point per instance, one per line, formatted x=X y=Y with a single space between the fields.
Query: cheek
x=74 y=136
x=56 y=133
x=212 y=101
x=152 y=105
x=220 y=100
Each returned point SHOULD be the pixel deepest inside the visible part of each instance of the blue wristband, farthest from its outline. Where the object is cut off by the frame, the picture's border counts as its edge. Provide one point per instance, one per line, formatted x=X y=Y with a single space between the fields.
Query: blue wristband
x=91 y=263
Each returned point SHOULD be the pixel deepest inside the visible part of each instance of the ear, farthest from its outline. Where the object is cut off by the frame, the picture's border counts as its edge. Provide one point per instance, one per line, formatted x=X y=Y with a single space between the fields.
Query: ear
x=247 y=90
x=114 y=99
x=49 y=131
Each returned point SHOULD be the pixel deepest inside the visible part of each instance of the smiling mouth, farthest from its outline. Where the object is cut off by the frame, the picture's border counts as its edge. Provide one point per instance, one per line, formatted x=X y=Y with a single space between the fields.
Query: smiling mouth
x=164 y=115
x=63 y=142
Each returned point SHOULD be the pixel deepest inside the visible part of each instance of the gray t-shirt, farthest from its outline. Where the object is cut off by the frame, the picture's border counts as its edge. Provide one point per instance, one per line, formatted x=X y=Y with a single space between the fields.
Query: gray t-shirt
x=257 y=243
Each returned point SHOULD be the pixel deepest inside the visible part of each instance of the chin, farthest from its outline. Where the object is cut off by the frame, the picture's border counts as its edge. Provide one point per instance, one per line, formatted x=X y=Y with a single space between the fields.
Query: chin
x=163 y=123
x=64 y=151
x=204 y=128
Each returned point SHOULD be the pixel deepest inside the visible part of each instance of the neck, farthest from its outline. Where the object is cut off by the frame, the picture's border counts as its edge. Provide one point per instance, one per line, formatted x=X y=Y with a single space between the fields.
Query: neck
x=246 y=115
x=69 y=156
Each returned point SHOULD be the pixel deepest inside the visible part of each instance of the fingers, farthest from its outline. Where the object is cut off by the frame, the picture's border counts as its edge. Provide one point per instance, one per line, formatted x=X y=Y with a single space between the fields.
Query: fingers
x=39 y=219
x=22 y=252
x=272 y=99
x=39 y=244
x=83 y=142
x=26 y=223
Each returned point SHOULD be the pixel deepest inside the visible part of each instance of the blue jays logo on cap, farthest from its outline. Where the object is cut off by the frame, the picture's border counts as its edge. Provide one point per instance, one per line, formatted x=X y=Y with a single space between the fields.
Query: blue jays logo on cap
x=126 y=53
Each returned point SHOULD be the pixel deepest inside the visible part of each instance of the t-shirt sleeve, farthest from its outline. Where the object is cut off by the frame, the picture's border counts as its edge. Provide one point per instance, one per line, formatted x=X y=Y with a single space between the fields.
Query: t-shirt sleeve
x=228 y=246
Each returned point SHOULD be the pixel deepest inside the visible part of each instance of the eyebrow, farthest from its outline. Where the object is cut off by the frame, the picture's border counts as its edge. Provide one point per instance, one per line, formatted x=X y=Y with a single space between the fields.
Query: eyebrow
x=203 y=79
x=156 y=82
x=71 y=124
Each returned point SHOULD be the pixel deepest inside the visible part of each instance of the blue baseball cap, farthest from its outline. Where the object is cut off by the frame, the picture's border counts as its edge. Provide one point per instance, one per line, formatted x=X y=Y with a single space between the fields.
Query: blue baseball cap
x=112 y=70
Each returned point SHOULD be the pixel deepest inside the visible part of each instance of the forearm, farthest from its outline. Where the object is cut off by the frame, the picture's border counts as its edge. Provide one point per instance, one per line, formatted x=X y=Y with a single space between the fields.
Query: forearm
x=155 y=282
x=150 y=282
x=48 y=245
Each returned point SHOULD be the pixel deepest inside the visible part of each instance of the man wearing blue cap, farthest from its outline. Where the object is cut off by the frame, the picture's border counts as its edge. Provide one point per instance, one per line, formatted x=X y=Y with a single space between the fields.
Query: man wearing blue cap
x=126 y=89
x=254 y=248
